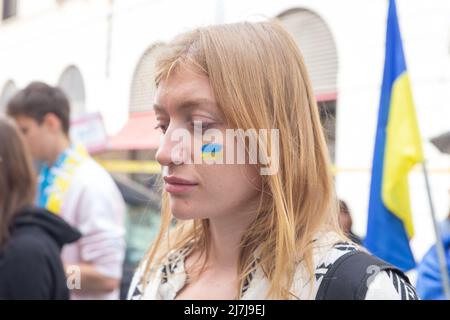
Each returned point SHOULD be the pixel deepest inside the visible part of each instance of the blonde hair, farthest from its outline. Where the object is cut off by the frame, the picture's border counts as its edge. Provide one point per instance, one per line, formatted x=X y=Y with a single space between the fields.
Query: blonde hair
x=260 y=80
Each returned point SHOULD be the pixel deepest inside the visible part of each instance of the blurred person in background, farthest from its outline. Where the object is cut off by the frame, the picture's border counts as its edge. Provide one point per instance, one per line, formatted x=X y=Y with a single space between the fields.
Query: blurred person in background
x=71 y=184
x=346 y=222
x=241 y=233
x=429 y=279
x=30 y=238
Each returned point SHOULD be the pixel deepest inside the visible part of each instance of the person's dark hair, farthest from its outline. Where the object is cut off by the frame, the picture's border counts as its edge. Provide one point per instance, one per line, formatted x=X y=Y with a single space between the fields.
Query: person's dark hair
x=343 y=207
x=37 y=100
x=17 y=176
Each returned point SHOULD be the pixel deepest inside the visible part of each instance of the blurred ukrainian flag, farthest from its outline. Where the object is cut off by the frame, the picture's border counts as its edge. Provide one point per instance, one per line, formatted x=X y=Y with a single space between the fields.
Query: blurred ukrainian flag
x=397 y=149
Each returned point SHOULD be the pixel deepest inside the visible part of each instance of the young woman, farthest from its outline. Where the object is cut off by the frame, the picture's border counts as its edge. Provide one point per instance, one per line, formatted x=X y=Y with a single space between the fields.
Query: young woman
x=30 y=239
x=242 y=232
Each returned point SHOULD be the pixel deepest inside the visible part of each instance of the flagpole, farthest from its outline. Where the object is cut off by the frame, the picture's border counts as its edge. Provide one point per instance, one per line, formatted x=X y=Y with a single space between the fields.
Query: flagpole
x=437 y=232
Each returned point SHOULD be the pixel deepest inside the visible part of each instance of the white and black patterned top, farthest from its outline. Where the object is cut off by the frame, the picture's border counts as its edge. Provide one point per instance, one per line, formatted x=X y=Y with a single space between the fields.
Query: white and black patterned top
x=171 y=278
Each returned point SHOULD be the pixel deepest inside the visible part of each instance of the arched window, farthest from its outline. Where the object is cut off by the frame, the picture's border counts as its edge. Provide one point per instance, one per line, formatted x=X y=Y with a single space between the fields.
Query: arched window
x=318 y=48
x=71 y=82
x=8 y=91
x=143 y=86
x=9 y=9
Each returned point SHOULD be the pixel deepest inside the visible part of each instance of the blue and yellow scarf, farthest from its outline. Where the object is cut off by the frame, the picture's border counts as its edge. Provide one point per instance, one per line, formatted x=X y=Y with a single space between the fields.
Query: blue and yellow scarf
x=54 y=181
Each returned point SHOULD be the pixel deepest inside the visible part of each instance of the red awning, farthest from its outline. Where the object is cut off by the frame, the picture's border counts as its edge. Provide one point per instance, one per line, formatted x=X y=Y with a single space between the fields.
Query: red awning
x=329 y=96
x=139 y=133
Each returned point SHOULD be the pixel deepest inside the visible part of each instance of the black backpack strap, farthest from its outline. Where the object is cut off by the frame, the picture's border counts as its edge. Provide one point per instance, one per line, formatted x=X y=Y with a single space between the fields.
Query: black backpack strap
x=348 y=277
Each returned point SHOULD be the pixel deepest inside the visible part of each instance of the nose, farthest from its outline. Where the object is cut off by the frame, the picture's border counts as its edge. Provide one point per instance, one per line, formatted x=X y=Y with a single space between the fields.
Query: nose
x=172 y=149
x=163 y=154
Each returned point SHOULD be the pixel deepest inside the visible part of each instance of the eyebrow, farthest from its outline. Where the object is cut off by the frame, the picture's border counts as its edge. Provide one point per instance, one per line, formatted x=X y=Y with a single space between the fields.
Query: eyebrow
x=188 y=104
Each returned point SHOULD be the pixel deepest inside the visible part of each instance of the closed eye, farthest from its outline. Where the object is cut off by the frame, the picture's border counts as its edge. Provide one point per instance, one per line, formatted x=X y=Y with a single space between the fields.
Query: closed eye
x=202 y=125
x=161 y=127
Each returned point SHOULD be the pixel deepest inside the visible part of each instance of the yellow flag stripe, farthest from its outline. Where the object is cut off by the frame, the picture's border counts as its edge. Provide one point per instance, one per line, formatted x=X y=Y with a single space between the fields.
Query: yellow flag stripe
x=403 y=150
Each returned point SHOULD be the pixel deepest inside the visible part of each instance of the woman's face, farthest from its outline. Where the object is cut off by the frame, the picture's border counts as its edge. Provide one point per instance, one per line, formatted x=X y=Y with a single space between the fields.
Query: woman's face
x=199 y=190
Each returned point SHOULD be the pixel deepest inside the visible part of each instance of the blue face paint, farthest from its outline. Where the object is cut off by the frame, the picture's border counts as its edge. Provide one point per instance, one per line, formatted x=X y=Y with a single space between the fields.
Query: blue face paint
x=212 y=151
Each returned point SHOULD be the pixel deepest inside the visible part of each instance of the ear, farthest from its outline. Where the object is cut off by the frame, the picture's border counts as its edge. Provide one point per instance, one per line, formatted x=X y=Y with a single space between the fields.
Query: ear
x=52 y=122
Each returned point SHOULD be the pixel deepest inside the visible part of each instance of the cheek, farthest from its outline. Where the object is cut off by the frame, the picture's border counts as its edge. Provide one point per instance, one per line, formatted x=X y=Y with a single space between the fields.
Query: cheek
x=42 y=137
x=38 y=141
x=231 y=184
x=224 y=189
x=31 y=140
x=35 y=140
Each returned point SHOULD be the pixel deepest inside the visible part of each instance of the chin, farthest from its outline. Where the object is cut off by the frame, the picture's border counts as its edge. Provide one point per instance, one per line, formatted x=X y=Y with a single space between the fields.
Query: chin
x=183 y=210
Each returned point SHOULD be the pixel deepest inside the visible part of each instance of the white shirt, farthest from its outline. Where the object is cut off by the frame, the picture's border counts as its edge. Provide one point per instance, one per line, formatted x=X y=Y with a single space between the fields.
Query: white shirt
x=94 y=205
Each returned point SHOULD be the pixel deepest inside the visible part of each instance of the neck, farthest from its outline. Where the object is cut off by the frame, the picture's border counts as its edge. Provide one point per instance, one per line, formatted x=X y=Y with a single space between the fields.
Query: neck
x=226 y=234
x=61 y=143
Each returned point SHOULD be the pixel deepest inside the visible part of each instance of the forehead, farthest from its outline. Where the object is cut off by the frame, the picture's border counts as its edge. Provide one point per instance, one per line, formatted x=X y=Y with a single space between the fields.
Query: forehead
x=23 y=120
x=184 y=84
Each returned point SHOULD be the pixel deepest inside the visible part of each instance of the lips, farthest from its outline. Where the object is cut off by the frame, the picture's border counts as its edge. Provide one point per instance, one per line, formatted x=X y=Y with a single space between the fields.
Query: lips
x=177 y=185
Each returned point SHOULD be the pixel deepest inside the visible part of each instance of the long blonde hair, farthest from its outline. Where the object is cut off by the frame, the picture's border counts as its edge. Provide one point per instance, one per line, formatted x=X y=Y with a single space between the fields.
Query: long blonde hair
x=260 y=80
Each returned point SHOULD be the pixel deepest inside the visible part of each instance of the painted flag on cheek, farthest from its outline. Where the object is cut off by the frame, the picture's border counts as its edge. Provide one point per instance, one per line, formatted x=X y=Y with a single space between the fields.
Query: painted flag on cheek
x=212 y=152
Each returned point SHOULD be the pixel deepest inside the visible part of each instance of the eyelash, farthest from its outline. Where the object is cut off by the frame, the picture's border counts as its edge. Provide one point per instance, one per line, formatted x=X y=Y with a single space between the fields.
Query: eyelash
x=163 y=128
x=205 y=125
